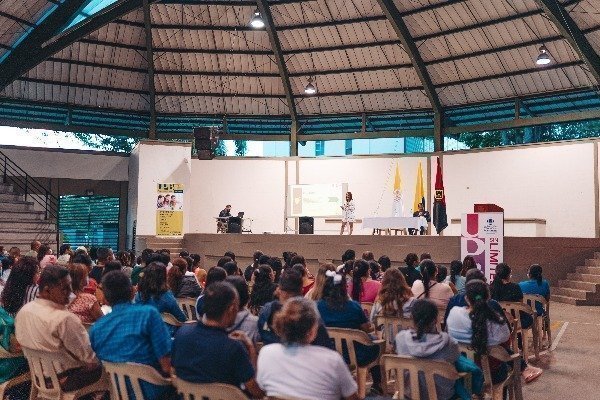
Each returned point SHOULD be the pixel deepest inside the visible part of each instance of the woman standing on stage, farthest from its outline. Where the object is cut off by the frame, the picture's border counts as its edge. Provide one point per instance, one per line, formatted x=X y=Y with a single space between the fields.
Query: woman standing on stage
x=348 y=214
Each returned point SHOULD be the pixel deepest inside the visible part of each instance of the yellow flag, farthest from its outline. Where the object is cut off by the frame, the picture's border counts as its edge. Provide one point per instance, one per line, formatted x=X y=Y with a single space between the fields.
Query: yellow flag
x=397 y=180
x=419 y=192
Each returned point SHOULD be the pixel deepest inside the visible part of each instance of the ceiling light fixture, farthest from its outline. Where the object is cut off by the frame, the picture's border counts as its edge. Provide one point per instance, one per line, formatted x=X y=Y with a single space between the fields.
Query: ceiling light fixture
x=257 y=22
x=310 y=88
x=544 y=57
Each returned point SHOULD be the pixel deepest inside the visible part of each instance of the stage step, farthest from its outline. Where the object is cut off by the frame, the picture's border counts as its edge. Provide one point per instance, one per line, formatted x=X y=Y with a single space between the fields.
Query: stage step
x=588 y=270
x=581 y=287
x=565 y=299
x=576 y=276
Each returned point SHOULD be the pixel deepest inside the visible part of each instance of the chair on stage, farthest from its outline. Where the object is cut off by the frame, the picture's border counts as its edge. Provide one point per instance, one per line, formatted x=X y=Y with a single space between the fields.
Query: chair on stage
x=221 y=225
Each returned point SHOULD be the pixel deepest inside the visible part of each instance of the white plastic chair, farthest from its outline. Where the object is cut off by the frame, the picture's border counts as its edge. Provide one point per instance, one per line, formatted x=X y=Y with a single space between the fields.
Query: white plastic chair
x=43 y=367
x=121 y=373
x=188 y=306
x=207 y=391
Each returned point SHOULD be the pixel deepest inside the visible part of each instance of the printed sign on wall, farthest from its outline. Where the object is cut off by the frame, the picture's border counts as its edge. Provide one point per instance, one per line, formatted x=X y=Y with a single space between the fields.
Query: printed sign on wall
x=482 y=237
x=169 y=209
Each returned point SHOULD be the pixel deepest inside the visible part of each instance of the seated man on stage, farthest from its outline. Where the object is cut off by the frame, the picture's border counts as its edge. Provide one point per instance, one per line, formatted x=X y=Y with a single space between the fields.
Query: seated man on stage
x=223 y=218
x=421 y=213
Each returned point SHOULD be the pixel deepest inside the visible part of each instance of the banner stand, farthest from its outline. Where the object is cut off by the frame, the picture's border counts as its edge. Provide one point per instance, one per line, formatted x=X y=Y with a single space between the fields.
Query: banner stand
x=482 y=237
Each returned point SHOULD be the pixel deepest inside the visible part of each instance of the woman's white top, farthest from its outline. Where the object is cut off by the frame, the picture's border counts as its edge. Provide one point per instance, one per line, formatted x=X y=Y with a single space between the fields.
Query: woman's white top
x=348 y=211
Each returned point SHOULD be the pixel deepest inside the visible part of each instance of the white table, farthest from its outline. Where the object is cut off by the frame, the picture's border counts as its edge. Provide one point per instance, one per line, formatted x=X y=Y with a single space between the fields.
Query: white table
x=387 y=223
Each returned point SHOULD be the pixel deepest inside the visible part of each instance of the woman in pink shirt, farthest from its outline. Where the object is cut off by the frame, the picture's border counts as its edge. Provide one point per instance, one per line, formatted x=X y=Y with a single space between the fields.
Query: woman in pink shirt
x=429 y=288
x=363 y=289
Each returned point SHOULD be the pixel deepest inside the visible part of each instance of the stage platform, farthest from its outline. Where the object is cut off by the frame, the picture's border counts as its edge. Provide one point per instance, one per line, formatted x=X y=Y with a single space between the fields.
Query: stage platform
x=556 y=255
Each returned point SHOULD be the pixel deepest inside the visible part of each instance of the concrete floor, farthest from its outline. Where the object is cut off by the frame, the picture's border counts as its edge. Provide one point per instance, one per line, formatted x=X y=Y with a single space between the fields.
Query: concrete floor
x=572 y=369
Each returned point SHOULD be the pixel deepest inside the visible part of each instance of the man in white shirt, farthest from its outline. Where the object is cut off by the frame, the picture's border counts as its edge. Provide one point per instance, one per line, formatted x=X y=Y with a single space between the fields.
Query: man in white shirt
x=46 y=325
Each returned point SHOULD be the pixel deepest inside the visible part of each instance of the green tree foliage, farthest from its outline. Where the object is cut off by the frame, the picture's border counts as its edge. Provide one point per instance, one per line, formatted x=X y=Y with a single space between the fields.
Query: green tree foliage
x=107 y=142
x=545 y=133
x=241 y=147
x=220 y=149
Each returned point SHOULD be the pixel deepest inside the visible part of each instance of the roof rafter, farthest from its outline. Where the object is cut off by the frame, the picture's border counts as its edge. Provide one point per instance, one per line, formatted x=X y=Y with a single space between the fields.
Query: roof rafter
x=23 y=56
x=44 y=44
x=571 y=32
x=395 y=18
x=265 y=12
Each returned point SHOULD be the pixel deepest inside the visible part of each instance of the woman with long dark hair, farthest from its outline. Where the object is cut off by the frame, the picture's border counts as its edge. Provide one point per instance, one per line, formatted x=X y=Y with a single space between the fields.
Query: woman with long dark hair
x=153 y=290
x=338 y=311
x=263 y=289
x=181 y=281
x=21 y=286
x=395 y=297
x=362 y=288
x=480 y=325
x=410 y=270
x=456 y=277
x=467 y=264
x=429 y=288
x=426 y=342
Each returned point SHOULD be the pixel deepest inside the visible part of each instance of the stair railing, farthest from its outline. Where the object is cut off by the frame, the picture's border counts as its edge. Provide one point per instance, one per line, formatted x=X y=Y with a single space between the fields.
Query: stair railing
x=31 y=188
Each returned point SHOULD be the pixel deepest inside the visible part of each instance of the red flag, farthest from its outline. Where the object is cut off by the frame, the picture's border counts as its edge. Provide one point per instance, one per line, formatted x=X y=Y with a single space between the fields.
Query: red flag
x=440 y=219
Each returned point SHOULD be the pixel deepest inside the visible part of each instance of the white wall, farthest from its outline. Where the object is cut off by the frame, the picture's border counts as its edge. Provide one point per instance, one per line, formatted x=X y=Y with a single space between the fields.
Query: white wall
x=132 y=195
x=371 y=181
x=162 y=162
x=255 y=187
x=555 y=183
x=47 y=163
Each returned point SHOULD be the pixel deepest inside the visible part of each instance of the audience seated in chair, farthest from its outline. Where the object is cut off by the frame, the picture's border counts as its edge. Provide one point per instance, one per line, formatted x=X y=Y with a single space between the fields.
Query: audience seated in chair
x=132 y=333
x=84 y=305
x=410 y=270
x=244 y=320
x=426 y=342
x=362 y=288
x=215 y=274
x=46 y=325
x=338 y=311
x=429 y=288
x=395 y=298
x=481 y=326
x=21 y=286
x=203 y=351
x=181 y=280
x=536 y=284
x=152 y=290
x=296 y=369
x=263 y=288
x=290 y=286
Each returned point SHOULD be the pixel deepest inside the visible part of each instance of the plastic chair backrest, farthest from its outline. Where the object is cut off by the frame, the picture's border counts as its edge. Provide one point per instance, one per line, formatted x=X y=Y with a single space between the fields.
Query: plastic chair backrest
x=188 y=306
x=391 y=327
x=207 y=391
x=43 y=367
x=531 y=299
x=345 y=336
x=121 y=373
x=367 y=307
x=395 y=365
x=169 y=319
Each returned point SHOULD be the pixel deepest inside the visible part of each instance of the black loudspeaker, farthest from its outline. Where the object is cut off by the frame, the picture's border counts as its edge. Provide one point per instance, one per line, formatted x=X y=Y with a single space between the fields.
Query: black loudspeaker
x=307 y=225
x=234 y=225
x=206 y=139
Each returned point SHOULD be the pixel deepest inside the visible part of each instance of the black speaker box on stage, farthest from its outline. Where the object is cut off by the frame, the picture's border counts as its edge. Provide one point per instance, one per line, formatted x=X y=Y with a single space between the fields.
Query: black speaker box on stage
x=307 y=225
x=234 y=225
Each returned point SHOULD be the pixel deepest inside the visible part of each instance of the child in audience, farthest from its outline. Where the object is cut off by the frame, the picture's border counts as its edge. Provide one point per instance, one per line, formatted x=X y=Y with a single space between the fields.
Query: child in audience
x=84 y=305
x=429 y=288
x=426 y=342
x=296 y=369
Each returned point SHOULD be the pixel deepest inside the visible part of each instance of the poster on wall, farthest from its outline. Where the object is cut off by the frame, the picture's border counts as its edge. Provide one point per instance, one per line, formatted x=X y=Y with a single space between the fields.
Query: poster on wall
x=482 y=237
x=169 y=209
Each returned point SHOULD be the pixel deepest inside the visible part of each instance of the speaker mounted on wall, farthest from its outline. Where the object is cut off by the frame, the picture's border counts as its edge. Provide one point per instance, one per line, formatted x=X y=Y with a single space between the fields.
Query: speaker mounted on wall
x=206 y=139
